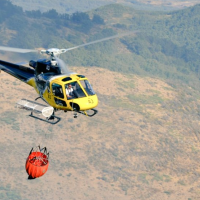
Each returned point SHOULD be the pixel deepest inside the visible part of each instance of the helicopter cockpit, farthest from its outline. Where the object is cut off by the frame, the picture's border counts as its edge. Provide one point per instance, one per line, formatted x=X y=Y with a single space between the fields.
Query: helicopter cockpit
x=72 y=91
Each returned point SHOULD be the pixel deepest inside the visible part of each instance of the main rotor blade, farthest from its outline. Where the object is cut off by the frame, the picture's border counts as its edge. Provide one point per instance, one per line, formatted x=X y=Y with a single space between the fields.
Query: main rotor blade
x=18 y=50
x=101 y=40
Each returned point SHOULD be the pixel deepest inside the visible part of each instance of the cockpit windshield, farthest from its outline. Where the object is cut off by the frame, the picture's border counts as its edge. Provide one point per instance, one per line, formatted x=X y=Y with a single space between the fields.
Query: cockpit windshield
x=88 y=88
x=73 y=90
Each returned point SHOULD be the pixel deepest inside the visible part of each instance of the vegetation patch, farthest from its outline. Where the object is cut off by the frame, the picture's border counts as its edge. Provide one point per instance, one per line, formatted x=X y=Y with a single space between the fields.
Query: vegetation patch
x=144 y=99
x=9 y=117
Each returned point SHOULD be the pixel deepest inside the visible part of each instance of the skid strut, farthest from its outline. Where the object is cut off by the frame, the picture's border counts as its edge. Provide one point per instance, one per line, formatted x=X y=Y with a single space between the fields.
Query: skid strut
x=52 y=119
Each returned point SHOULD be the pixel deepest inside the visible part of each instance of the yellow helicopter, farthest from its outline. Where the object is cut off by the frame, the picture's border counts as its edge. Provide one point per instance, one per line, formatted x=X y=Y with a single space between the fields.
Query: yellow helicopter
x=59 y=88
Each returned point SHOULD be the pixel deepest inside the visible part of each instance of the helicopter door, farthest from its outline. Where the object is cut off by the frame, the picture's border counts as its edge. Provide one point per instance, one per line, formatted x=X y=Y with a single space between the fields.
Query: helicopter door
x=58 y=94
x=49 y=90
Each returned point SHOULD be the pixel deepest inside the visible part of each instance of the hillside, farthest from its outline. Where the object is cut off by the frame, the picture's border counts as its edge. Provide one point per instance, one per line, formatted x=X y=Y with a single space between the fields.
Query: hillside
x=143 y=144
x=69 y=6
x=166 y=46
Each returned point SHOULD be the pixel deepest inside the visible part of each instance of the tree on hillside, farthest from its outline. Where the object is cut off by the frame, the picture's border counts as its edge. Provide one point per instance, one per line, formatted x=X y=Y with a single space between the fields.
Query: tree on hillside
x=83 y=21
x=80 y=17
x=7 y=9
x=51 y=14
x=34 y=13
x=97 y=19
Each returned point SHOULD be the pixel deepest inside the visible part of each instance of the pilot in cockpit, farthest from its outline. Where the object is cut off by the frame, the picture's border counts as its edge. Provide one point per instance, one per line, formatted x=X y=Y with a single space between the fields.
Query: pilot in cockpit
x=69 y=91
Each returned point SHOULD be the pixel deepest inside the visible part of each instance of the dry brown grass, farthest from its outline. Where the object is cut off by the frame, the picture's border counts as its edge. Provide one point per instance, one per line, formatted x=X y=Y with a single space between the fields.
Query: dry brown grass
x=132 y=149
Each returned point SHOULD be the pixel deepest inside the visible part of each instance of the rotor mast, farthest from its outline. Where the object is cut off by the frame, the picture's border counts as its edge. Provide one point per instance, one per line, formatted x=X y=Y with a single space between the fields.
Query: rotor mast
x=53 y=53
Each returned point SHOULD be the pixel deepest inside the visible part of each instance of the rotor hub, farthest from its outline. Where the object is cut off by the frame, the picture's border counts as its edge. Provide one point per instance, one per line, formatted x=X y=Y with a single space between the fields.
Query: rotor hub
x=53 y=51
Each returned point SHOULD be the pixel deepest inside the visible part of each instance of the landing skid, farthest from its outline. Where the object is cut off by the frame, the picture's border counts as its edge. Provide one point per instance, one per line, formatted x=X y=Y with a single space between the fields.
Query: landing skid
x=89 y=115
x=49 y=120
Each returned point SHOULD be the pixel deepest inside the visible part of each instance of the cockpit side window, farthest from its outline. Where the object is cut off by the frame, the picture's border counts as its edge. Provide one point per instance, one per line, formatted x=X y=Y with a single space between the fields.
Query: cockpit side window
x=57 y=90
x=88 y=88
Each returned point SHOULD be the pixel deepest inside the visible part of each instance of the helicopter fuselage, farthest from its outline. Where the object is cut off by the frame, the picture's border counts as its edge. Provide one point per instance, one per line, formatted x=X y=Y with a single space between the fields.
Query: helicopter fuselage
x=52 y=87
